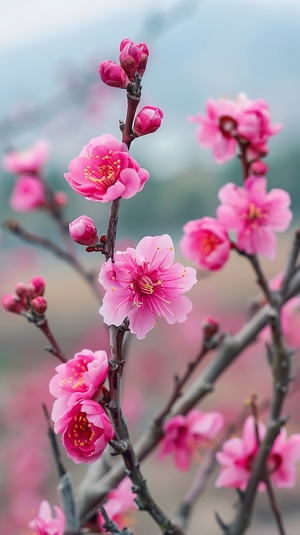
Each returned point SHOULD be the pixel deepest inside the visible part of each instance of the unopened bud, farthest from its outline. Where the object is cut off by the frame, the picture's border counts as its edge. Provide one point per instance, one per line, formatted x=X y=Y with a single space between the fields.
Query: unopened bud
x=113 y=75
x=144 y=58
x=38 y=305
x=83 y=231
x=130 y=57
x=210 y=327
x=61 y=198
x=259 y=168
x=147 y=121
x=12 y=304
x=22 y=290
x=37 y=286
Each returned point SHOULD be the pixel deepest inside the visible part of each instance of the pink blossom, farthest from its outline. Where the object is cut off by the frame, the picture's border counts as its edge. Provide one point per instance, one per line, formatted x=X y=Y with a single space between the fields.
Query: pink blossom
x=83 y=231
x=147 y=121
x=281 y=461
x=185 y=434
x=238 y=455
x=143 y=282
x=45 y=524
x=254 y=214
x=28 y=194
x=228 y=122
x=217 y=129
x=289 y=316
x=206 y=241
x=254 y=123
x=105 y=171
x=130 y=57
x=80 y=377
x=86 y=431
x=118 y=503
x=113 y=75
x=30 y=160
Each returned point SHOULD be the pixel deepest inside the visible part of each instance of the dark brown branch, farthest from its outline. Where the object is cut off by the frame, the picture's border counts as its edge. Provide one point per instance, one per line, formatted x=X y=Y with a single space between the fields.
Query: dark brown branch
x=291 y=263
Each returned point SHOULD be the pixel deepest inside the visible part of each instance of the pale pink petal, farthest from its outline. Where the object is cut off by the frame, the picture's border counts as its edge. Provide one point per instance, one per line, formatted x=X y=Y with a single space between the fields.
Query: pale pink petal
x=157 y=251
x=142 y=320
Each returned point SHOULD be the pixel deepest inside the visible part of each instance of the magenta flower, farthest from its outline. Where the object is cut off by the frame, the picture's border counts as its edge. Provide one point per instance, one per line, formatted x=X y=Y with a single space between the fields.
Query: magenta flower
x=27 y=161
x=45 y=524
x=104 y=171
x=113 y=75
x=148 y=120
x=28 y=194
x=118 y=503
x=183 y=435
x=143 y=282
x=238 y=455
x=83 y=231
x=206 y=241
x=81 y=377
x=217 y=129
x=86 y=431
x=254 y=214
x=254 y=124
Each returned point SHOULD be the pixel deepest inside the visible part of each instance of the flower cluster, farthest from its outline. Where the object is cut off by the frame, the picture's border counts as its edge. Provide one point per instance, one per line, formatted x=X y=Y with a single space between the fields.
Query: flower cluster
x=133 y=60
x=143 y=282
x=238 y=455
x=184 y=435
x=250 y=211
x=83 y=423
x=229 y=123
x=29 y=191
x=28 y=298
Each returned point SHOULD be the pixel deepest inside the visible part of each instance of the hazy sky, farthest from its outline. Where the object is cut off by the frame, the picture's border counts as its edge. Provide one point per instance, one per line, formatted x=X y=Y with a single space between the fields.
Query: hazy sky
x=25 y=21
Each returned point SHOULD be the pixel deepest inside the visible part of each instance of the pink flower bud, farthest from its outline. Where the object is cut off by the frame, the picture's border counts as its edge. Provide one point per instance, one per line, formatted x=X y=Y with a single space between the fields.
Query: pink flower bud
x=12 y=304
x=37 y=286
x=83 y=231
x=258 y=168
x=130 y=57
x=61 y=198
x=22 y=290
x=144 y=58
x=112 y=74
x=39 y=305
x=147 y=121
x=210 y=327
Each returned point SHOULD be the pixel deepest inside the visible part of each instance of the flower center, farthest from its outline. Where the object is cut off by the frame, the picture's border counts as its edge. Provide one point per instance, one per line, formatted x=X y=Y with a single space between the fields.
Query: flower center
x=145 y=284
x=81 y=432
x=274 y=462
x=227 y=126
x=254 y=212
x=104 y=171
x=209 y=242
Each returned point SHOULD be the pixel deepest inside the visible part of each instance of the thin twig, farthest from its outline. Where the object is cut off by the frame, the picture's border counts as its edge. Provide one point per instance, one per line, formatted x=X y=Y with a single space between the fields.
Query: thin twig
x=15 y=228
